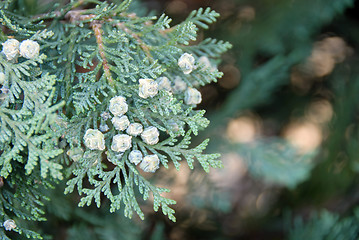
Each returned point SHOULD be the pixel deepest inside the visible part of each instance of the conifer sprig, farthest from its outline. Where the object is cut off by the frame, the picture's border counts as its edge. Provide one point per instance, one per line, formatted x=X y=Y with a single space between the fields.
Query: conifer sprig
x=107 y=94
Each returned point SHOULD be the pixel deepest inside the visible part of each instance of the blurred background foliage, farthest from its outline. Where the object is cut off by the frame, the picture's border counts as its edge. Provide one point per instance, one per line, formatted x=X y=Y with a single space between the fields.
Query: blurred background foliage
x=285 y=119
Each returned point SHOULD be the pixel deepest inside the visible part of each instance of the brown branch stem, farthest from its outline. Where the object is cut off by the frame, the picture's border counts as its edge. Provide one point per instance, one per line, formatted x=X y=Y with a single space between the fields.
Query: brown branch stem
x=96 y=27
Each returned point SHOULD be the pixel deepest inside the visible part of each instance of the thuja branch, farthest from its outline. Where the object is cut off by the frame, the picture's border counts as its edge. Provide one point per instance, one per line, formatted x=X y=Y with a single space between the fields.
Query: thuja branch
x=129 y=86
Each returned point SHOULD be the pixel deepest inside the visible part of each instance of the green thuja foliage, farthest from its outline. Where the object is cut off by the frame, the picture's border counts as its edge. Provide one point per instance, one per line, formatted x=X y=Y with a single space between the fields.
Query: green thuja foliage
x=326 y=225
x=23 y=199
x=27 y=144
x=64 y=91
